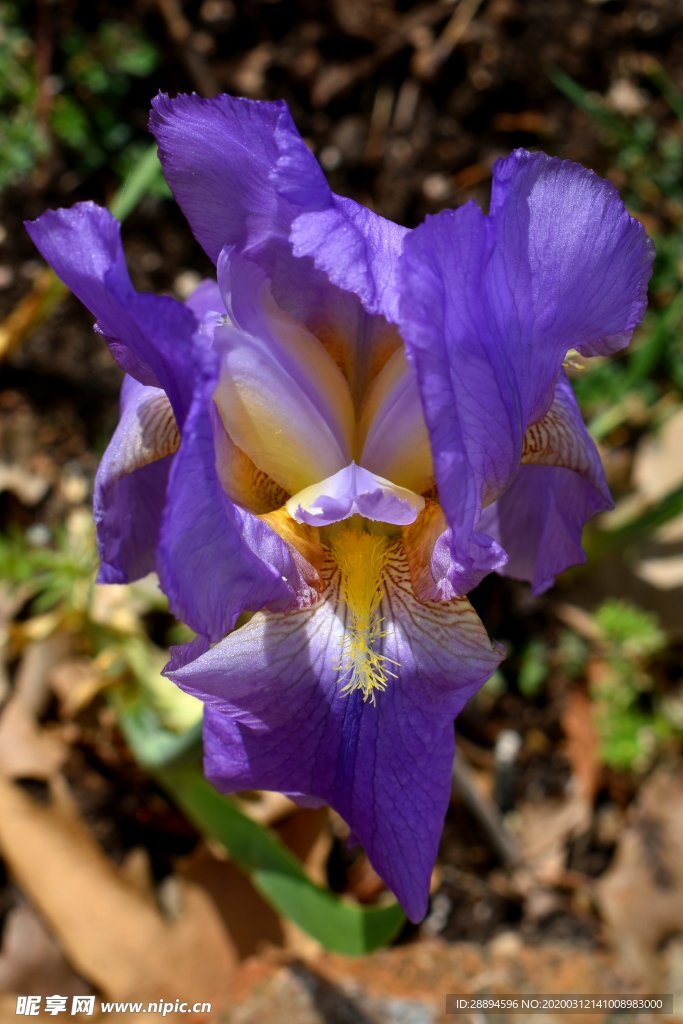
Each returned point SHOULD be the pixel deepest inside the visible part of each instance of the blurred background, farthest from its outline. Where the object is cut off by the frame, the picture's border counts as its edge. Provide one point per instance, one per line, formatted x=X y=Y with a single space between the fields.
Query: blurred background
x=561 y=866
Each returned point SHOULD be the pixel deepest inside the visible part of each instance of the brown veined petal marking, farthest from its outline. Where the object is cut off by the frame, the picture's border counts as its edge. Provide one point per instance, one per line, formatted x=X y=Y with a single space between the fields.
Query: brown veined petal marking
x=554 y=440
x=156 y=435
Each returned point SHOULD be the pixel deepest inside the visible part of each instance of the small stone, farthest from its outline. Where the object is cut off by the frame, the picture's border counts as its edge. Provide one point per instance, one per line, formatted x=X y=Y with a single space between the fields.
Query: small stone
x=330 y=158
x=436 y=188
x=186 y=283
x=6 y=277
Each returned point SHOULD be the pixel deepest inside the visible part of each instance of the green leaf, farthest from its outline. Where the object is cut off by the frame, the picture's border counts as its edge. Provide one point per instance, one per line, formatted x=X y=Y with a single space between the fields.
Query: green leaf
x=533 y=668
x=276 y=873
x=339 y=926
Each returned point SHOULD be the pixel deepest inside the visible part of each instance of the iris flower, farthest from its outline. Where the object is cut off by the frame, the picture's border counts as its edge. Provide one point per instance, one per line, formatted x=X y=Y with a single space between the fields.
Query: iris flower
x=324 y=451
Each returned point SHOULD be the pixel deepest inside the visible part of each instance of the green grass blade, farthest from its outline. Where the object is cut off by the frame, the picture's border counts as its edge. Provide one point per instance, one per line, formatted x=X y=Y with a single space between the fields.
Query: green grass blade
x=49 y=292
x=667 y=88
x=636 y=529
x=582 y=99
x=143 y=178
x=642 y=364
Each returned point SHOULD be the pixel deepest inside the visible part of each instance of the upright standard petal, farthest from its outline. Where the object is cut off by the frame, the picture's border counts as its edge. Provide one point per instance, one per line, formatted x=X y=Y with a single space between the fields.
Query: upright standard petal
x=571 y=247
x=354 y=247
x=282 y=722
x=217 y=155
x=151 y=337
x=282 y=398
x=490 y=307
x=392 y=435
x=215 y=559
x=245 y=178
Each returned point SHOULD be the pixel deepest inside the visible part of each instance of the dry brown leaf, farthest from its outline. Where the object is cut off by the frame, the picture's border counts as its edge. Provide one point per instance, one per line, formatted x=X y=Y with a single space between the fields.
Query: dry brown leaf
x=46 y=293
x=307 y=834
x=641 y=895
x=657 y=465
x=579 y=620
x=266 y=807
x=581 y=746
x=31 y=961
x=28 y=487
x=76 y=682
x=27 y=750
x=363 y=881
x=543 y=828
x=657 y=470
x=251 y=922
x=112 y=934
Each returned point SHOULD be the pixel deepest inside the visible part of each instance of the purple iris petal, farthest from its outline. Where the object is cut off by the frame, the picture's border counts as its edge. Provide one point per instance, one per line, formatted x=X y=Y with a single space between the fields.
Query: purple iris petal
x=477 y=555
x=205 y=299
x=204 y=538
x=356 y=249
x=283 y=399
x=281 y=723
x=567 y=244
x=355 y=491
x=395 y=442
x=216 y=560
x=539 y=521
x=151 y=337
x=540 y=517
x=241 y=173
x=217 y=156
x=245 y=178
x=130 y=486
x=490 y=307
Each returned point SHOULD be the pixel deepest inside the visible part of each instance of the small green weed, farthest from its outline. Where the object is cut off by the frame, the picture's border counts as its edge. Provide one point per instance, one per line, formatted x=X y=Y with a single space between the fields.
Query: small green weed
x=86 y=115
x=635 y=713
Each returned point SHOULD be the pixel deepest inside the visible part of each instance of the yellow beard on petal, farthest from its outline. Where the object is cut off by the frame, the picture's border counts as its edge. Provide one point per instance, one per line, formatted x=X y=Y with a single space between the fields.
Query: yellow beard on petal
x=361 y=558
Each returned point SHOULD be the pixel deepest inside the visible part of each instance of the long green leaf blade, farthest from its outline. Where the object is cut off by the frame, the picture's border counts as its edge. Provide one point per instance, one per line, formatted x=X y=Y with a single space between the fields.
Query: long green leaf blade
x=276 y=873
x=143 y=178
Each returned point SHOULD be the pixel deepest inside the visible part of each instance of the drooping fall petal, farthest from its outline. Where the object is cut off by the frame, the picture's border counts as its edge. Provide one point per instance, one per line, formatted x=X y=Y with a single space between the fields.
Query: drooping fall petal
x=282 y=723
x=557 y=489
x=130 y=486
